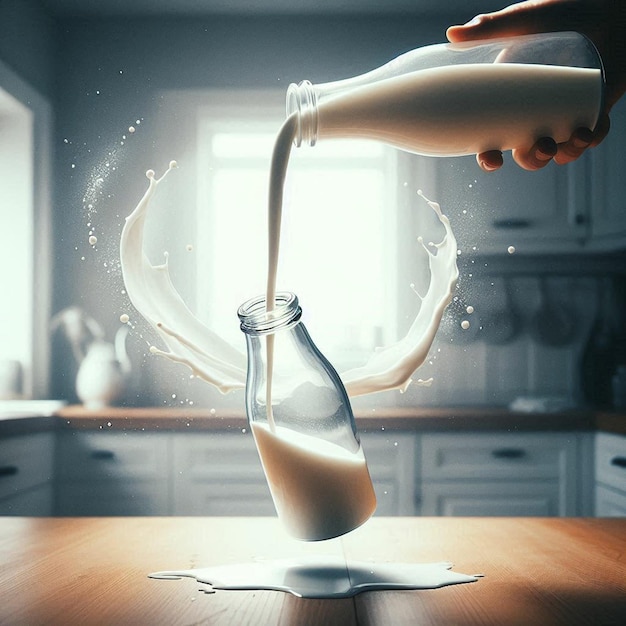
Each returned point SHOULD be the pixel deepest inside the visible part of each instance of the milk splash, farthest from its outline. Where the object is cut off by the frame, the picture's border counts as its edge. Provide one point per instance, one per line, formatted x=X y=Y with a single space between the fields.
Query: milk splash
x=214 y=360
x=152 y=293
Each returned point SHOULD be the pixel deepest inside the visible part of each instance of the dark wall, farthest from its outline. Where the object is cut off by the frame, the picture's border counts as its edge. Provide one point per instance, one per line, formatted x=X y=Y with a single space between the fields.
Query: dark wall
x=28 y=43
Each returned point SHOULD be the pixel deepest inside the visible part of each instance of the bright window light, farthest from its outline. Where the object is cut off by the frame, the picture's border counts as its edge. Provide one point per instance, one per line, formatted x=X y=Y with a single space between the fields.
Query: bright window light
x=336 y=240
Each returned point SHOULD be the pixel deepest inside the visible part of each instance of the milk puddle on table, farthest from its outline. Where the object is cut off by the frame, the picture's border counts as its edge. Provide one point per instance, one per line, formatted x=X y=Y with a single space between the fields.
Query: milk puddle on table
x=322 y=577
x=217 y=362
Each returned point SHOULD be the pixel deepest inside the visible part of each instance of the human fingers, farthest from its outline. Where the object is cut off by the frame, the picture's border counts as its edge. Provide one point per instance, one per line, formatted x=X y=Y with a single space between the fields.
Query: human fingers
x=571 y=149
x=542 y=152
x=581 y=139
x=490 y=161
x=521 y=18
x=601 y=130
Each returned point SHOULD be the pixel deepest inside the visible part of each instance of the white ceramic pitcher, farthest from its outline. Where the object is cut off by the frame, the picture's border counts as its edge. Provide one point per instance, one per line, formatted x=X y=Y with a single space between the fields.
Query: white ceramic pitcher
x=102 y=375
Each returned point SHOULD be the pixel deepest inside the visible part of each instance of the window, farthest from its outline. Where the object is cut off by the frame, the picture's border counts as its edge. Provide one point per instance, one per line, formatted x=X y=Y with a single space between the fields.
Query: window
x=336 y=239
x=25 y=131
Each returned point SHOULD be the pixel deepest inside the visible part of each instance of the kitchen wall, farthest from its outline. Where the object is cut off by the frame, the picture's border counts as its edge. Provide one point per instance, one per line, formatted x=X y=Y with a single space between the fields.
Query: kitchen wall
x=28 y=43
x=105 y=74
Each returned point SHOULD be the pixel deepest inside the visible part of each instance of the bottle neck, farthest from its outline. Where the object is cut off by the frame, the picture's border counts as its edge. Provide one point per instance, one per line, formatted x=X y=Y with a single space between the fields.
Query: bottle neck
x=257 y=320
x=302 y=101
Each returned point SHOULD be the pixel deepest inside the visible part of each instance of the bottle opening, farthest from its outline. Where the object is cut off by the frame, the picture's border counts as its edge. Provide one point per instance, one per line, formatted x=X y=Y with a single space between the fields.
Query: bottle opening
x=302 y=101
x=257 y=320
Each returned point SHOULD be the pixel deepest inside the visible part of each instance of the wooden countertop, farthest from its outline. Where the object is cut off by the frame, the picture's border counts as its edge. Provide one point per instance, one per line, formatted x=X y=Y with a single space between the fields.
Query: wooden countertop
x=398 y=418
x=91 y=571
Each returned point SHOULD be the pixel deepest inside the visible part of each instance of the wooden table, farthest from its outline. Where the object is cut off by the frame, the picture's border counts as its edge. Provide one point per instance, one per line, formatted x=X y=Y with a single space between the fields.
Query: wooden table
x=94 y=571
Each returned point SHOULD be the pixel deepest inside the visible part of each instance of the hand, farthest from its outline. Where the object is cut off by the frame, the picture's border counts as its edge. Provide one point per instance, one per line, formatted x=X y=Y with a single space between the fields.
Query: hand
x=603 y=21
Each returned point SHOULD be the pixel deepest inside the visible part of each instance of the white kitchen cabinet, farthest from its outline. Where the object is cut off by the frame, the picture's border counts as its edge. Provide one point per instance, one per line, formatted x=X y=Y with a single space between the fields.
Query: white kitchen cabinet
x=610 y=473
x=610 y=502
x=391 y=463
x=536 y=212
x=218 y=473
x=26 y=474
x=608 y=186
x=487 y=474
x=113 y=473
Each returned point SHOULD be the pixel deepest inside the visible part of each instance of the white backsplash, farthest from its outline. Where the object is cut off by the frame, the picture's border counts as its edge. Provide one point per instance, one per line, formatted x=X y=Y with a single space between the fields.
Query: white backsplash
x=470 y=371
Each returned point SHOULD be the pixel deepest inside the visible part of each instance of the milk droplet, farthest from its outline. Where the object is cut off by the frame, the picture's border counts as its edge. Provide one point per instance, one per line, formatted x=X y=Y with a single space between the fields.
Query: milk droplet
x=131 y=129
x=93 y=240
x=189 y=247
x=173 y=165
x=470 y=309
x=465 y=324
x=124 y=318
x=212 y=411
x=511 y=249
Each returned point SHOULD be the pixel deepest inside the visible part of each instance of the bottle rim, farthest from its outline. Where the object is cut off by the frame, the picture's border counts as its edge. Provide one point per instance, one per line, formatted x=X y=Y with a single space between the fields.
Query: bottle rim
x=302 y=101
x=257 y=320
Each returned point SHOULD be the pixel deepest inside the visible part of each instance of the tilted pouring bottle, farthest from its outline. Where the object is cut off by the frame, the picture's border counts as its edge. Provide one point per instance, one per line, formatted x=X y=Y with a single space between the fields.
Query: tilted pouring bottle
x=458 y=99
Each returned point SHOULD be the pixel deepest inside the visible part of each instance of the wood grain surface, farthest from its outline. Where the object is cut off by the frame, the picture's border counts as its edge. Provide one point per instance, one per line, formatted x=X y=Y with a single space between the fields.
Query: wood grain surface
x=537 y=571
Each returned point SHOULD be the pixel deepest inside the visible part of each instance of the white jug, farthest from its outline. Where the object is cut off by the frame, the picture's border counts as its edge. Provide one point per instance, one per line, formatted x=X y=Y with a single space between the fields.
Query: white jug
x=101 y=378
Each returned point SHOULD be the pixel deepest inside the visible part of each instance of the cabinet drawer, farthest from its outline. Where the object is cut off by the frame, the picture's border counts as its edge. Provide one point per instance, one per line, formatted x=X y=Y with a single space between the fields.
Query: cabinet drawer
x=112 y=456
x=224 y=499
x=25 y=461
x=611 y=460
x=497 y=456
x=35 y=502
x=124 y=497
x=517 y=499
x=216 y=456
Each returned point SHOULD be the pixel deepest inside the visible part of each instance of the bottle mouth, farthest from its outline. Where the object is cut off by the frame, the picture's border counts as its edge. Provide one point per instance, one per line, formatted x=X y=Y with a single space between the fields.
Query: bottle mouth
x=302 y=102
x=257 y=320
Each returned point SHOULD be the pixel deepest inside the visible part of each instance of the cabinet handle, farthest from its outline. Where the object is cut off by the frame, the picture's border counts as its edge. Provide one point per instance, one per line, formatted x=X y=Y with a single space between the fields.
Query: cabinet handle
x=619 y=461
x=508 y=453
x=103 y=455
x=8 y=470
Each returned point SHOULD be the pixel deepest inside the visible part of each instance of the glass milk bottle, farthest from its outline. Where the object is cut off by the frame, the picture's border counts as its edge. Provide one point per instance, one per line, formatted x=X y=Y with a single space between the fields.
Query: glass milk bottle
x=303 y=425
x=458 y=99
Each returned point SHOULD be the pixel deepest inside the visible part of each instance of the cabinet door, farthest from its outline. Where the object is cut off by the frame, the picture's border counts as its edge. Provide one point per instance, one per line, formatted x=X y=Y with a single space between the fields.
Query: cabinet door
x=608 y=186
x=219 y=473
x=112 y=498
x=610 y=502
x=536 y=212
x=500 y=474
x=492 y=499
x=113 y=473
x=391 y=463
x=26 y=461
x=35 y=502
x=611 y=460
